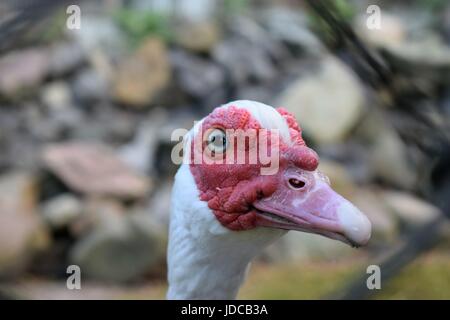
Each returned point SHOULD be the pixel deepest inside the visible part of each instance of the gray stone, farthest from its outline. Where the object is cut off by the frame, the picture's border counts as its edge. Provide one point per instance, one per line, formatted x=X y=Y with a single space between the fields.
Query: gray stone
x=121 y=247
x=90 y=86
x=25 y=69
x=95 y=169
x=101 y=33
x=411 y=210
x=393 y=30
x=290 y=26
x=429 y=52
x=408 y=40
x=199 y=37
x=22 y=233
x=199 y=10
x=196 y=76
x=446 y=23
x=249 y=53
x=390 y=161
x=141 y=76
x=140 y=152
x=244 y=61
x=326 y=103
x=389 y=157
x=62 y=210
x=56 y=96
x=159 y=204
x=66 y=57
x=255 y=93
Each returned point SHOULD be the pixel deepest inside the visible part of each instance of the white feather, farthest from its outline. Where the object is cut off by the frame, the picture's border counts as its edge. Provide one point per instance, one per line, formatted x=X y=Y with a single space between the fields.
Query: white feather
x=267 y=116
x=205 y=259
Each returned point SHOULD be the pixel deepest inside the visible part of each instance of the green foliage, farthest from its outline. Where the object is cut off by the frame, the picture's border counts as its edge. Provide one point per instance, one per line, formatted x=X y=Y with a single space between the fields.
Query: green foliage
x=432 y=5
x=235 y=6
x=141 y=24
x=342 y=9
x=303 y=281
x=426 y=278
x=52 y=28
x=345 y=9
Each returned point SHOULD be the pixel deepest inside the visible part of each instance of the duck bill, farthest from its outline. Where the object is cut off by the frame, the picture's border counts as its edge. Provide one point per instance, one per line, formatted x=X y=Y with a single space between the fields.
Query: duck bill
x=318 y=210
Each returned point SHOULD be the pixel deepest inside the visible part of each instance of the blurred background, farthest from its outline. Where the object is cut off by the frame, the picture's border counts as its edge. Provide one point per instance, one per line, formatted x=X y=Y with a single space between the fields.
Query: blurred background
x=86 y=117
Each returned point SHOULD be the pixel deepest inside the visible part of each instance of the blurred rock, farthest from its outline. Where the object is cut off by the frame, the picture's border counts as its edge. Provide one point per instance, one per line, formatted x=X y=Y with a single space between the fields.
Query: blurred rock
x=55 y=122
x=290 y=27
x=89 y=86
x=101 y=33
x=18 y=193
x=254 y=36
x=390 y=161
x=199 y=37
x=389 y=158
x=121 y=247
x=249 y=53
x=244 y=61
x=444 y=104
x=429 y=52
x=23 y=69
x=140 y=153
x=408 y=41
x=94 y=169
x=60 y=211
x=196 y=76
x=97 y=211
x=140 y=77
x=56 y=96
x=254 y=92
x=393 y=30
x=186 y=9
x=65 y=58
x=159 y=204
x=353 y=156
x=327 y=103
x=21 y=231
x=17 y=149
x=411 y=210
x=107 y=123
x=164 y=164
x=446 y=23
x=384 y=224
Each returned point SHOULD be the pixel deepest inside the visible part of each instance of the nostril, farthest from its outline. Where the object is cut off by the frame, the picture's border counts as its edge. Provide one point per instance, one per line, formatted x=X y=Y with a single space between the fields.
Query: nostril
x=259 y=194
x=296 y=183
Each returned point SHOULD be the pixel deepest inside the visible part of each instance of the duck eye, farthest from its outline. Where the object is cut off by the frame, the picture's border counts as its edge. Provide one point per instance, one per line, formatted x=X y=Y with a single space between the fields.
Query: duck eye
x=217 y=140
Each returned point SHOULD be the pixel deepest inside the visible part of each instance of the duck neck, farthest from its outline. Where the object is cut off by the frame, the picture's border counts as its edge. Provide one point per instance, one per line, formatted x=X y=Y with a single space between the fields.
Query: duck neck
x=205 y=259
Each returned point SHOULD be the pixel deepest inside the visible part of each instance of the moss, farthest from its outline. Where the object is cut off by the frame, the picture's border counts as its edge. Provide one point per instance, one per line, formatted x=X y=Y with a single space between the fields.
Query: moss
x=235 y=6
x=426 y=278
x=140 y=24
x=341 y=9
x=432 y=5
x=302 y=281
x=156 y=291
x=53 y=27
